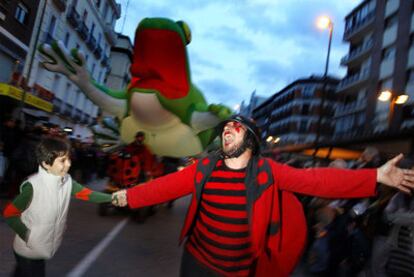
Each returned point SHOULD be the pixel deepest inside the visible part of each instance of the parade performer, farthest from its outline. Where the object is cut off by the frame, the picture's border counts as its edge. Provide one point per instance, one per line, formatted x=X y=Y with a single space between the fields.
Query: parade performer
x=146 y=160
x=38 y=214
x=161 y=100
x=243 y=219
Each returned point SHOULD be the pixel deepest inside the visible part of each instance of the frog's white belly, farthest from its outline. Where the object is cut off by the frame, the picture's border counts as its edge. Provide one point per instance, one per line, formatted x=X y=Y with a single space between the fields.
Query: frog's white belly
x=166 y=135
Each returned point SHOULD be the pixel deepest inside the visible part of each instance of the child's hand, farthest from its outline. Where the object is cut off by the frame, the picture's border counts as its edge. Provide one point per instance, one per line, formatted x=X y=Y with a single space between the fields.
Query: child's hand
x=119 y=198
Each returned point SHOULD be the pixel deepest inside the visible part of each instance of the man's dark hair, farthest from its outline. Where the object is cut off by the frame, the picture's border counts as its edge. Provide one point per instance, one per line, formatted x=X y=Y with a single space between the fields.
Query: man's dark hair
x=140 y=134
x=50 y=148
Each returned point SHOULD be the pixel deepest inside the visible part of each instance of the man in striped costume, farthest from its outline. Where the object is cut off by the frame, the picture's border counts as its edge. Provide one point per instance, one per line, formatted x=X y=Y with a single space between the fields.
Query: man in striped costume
x=243 y=219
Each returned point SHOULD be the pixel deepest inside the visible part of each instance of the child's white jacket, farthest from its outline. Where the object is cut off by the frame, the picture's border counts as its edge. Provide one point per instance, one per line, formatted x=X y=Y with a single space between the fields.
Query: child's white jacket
x=46 y=215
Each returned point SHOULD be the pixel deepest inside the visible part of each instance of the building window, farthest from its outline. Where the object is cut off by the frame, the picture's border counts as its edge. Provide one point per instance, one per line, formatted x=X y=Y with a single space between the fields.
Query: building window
x=388 y=53
x=390 y=21
x=85 y=16
x=410 y=76
x=52 y=25
x=93 y=69
x=305 y=109
x=22 y=13
x=386 y=84
x=307 y=92
x=66 y=41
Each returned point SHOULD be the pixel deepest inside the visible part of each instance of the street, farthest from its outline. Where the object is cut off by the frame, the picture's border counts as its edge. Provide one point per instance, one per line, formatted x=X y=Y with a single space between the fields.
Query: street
x=113 y=245
x=148 y=249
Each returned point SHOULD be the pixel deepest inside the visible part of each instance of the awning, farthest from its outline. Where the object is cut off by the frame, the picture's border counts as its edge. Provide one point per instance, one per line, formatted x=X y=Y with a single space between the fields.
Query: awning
x=333 y=153
x=30 y=99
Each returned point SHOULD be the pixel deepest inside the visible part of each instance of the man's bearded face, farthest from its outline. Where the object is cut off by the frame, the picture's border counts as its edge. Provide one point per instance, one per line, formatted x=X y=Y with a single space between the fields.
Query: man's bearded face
x=232 y=137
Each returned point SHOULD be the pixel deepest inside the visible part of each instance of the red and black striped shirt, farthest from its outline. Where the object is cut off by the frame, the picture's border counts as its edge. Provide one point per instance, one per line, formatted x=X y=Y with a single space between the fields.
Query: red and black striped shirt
x=220 y=238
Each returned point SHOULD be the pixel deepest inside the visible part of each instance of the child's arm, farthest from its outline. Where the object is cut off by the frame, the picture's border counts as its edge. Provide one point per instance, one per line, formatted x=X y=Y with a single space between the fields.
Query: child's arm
x=82 y=193
x=13 y=211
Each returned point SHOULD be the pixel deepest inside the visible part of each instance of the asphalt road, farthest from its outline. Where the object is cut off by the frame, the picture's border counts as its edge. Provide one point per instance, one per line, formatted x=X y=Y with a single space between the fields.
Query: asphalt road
x=148 y=249
x=113 y=245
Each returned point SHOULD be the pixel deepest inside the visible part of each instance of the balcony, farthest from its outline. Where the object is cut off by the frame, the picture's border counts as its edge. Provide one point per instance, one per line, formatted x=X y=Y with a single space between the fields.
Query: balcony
x=98 y=52
x=60 y=4
x=350 y=108
x=83 y=30
x=357 y=55
x=73 y=17
x=91 y=42
x=353 y=82
x=110 y=34
x=358 y=30
x=48 y=38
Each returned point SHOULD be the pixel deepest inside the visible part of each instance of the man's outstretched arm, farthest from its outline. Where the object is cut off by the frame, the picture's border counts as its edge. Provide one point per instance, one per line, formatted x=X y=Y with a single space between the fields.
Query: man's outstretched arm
x=157 y=191
x=343 y=183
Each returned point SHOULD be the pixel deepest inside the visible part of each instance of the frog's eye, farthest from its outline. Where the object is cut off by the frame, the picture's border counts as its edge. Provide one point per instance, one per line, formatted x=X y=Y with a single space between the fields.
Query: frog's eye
x=186 y=29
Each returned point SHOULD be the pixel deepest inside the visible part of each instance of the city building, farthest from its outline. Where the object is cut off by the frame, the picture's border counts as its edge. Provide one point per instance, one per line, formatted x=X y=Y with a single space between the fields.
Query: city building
x=17 y=27
x=380 y=58
x=89 y=27
x=293 y=116
x=255 y=101
x=120 y=59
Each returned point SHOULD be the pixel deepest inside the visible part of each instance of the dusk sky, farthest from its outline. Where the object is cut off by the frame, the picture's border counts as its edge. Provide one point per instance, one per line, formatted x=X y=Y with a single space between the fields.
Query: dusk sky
x=239 y=46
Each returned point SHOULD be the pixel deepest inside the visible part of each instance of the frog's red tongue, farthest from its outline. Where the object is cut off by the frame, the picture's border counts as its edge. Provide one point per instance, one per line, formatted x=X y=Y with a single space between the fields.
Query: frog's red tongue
x=160 y=63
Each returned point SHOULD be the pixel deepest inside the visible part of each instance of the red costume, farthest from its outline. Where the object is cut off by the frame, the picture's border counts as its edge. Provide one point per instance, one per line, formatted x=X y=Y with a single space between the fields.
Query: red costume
x=279 y=229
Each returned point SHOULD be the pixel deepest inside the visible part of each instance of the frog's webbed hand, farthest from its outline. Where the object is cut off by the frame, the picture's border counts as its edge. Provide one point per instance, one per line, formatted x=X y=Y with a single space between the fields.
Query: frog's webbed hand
x=72 y=64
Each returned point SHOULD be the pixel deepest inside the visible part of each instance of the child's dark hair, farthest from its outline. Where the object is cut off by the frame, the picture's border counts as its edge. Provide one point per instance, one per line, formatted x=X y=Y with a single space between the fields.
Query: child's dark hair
x=50 y=148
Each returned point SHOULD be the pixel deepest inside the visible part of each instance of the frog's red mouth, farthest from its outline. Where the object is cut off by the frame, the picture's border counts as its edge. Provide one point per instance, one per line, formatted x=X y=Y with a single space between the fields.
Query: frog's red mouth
x=160 y=63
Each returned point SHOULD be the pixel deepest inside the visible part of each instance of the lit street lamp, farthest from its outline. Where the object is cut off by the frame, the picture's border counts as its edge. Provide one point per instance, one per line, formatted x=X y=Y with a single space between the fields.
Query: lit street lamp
x=386 y=95
x=394 y=99
x=323 y=22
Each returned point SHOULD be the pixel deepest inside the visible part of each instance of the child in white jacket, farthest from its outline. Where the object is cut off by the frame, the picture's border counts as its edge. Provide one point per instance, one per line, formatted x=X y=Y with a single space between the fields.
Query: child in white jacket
x=38 y=214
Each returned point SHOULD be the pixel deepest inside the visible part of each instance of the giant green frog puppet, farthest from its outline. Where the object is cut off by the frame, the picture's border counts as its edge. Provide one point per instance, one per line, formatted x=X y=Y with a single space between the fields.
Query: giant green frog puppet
x=160 y=99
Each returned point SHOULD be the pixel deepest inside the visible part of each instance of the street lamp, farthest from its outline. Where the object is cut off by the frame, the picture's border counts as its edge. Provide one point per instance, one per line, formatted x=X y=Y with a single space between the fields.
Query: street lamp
x=394 y=99
x=387 y=95
x=323 y=22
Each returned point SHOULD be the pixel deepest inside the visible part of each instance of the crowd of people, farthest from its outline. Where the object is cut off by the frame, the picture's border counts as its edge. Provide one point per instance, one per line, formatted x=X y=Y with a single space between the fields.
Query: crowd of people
x=17 y=158
x=244 y=218
x=359 y=237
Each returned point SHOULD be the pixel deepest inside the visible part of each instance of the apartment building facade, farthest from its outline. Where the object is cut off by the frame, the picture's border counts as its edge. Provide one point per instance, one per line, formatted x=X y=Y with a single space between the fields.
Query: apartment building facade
x=17 y=27
x=381 y=57
x=121 y=58
x=299 y=114
x=88 y=26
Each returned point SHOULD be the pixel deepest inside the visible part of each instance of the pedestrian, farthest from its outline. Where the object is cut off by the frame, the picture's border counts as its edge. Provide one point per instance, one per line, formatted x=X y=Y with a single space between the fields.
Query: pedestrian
x=243 y=219
x=146 y=160
x=3 y=167
x=38 y=214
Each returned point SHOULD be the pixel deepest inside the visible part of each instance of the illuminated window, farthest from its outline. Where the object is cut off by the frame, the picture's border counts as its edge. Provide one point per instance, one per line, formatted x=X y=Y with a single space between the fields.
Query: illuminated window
x=21 y=13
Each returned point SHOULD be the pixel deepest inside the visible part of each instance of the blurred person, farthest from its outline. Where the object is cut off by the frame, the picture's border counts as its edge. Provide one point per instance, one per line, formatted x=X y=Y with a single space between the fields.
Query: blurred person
x=3 y=167
x=243 y=219
x=23 y=159
x=146 y=158
x=398 y=216
x=370 y=158
x=38 y=214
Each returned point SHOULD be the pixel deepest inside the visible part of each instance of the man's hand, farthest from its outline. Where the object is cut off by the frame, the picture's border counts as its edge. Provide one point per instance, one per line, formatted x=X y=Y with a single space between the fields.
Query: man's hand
x=119 y=198
x=389 y=174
